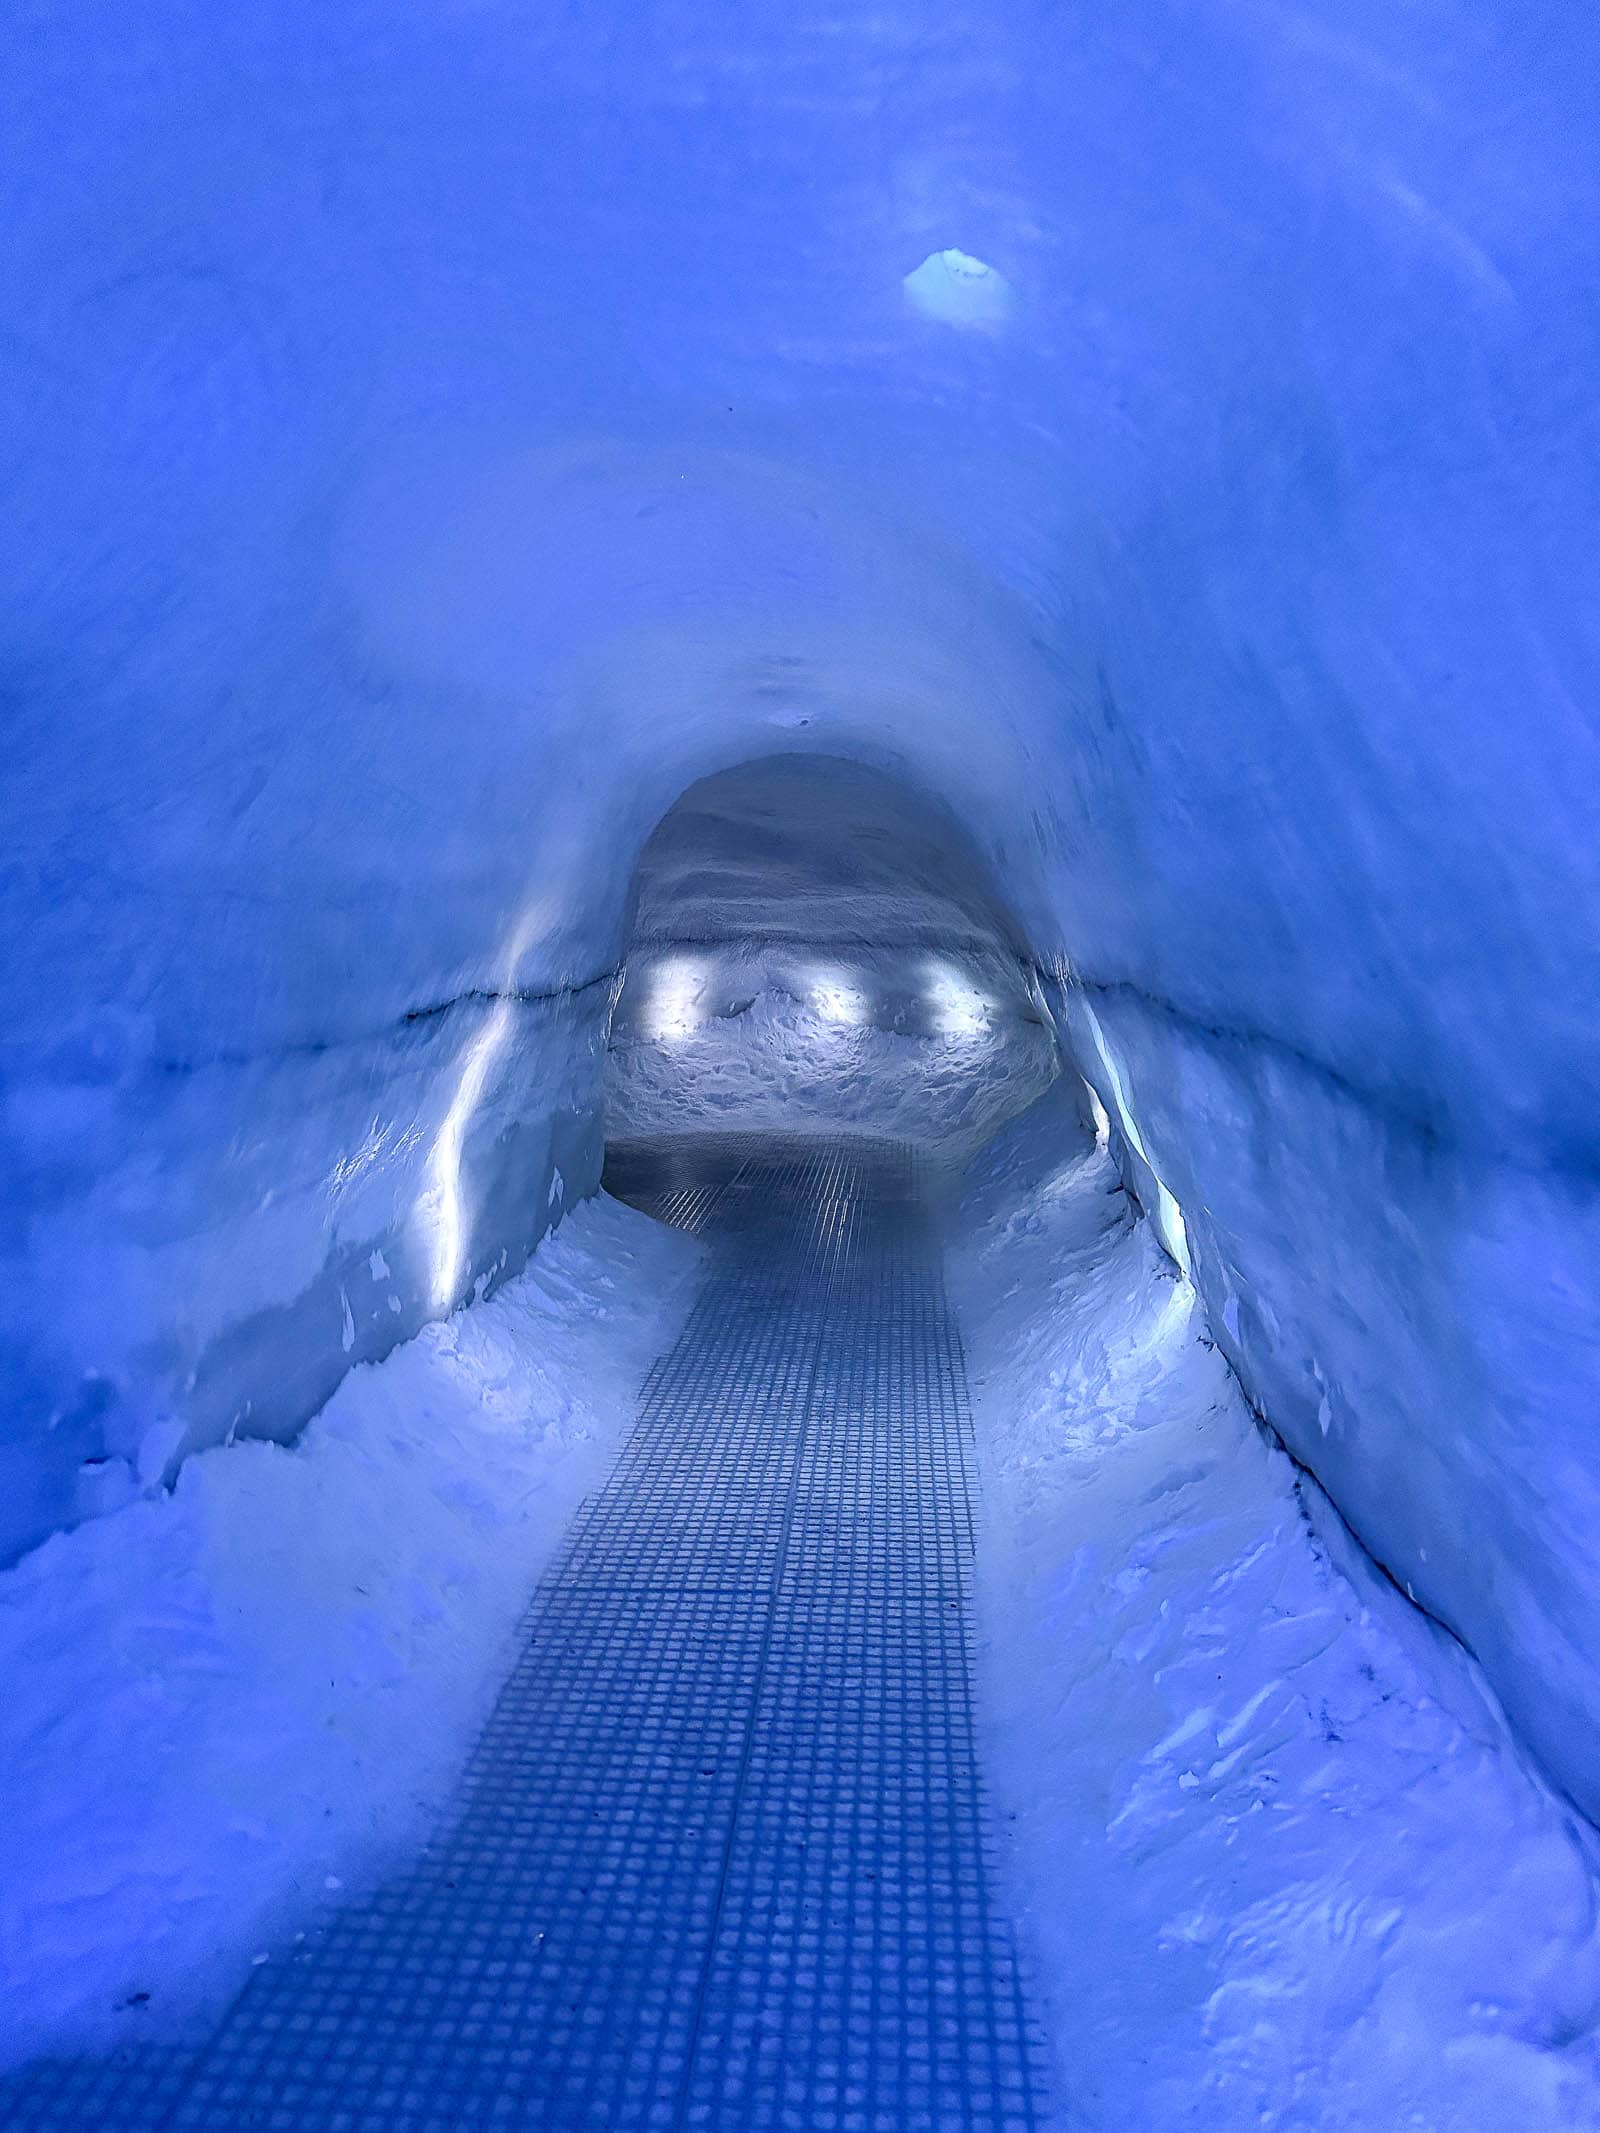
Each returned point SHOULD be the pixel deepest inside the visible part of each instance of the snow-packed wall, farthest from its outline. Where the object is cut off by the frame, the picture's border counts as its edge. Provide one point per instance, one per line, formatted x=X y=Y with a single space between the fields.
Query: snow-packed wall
x=438 y=435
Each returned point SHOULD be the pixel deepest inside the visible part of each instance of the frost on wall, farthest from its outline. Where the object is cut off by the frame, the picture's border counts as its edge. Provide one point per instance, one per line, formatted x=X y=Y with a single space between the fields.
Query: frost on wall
x=441 y=438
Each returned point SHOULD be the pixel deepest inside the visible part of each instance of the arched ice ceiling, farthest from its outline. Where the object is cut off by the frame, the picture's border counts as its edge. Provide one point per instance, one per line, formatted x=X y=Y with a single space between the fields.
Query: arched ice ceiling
x=816 y=849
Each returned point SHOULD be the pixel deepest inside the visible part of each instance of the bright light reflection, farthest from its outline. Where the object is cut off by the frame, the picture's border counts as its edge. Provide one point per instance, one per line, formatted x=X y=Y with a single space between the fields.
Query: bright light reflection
x=450 y=1240
x=838 y=1002
x=1166 y=1214
x=442 y=1203
x=961 y=290
x=1175 y=1313
x=672 y=1005
x=959 y=1009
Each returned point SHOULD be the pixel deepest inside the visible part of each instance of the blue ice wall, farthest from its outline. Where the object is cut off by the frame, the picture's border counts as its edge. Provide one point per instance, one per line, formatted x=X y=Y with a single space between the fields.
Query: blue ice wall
x=440 y=434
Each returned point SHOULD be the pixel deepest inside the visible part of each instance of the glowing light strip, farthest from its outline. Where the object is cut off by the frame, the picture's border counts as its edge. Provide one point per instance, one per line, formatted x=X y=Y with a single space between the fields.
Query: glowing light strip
x=442 y=1202
x=444 y=1164
x=1168 y=1215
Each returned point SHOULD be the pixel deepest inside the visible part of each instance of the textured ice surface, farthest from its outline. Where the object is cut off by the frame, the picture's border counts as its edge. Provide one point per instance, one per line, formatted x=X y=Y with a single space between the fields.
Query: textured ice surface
x=440 y=437
x=1280 y=1860
x=745 y=1043
x=227 y=1706
x=817 y=947
x=819 y=852
x=214 y=1241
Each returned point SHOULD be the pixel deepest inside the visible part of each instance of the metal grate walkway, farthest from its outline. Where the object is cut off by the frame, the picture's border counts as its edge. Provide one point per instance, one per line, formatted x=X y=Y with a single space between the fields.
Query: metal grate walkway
x=721 y=1858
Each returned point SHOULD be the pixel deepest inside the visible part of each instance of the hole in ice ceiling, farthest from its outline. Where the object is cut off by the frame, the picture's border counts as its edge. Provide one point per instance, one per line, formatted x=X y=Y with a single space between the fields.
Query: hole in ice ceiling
x=960 y=290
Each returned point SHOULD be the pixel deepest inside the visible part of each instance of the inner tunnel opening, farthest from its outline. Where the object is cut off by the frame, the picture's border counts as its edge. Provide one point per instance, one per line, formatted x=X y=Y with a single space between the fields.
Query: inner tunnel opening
x=816 y=946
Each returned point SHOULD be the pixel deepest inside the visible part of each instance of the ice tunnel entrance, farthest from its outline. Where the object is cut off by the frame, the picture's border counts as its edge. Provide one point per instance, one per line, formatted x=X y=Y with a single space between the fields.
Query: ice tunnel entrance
x=815 y=946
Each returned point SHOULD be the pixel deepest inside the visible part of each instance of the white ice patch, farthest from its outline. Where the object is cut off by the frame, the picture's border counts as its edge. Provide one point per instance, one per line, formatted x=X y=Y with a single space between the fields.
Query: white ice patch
x=156 y=1447
x=836 y=1000
x=959 y=1008
x=677 y=984
x=959 y=290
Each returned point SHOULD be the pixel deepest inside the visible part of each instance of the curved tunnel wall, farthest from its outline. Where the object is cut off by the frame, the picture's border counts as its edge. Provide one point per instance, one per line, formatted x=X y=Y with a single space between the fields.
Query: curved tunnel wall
x=818 y=850
x=442 y=438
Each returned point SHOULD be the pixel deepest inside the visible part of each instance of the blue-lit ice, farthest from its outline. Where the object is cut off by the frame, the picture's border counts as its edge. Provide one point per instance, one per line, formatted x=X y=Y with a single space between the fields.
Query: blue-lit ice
x=816 y=1041
x=962 y=291
x=1278 y=1857
x=234 y=1704
x=438 y=438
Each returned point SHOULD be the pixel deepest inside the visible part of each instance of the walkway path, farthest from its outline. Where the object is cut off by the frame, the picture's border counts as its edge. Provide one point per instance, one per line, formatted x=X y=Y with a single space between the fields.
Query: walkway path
x=721 y=1858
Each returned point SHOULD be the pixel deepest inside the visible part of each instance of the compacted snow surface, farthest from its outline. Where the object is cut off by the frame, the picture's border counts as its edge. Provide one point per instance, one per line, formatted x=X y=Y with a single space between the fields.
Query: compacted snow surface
x=1280 y=1863
x=227 y=1704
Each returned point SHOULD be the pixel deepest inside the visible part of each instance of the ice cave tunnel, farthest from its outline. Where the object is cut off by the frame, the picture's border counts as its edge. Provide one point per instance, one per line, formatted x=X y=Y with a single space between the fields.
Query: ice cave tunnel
x=800 y=857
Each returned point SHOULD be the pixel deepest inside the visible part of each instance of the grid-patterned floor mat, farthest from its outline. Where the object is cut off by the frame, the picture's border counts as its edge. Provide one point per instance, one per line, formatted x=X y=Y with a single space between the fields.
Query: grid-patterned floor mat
x=720 y=1862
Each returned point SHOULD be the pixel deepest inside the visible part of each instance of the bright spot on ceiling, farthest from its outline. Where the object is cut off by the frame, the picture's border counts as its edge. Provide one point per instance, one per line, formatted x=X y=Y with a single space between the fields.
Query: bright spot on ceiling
x=445 y=1196
x=959 y=290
